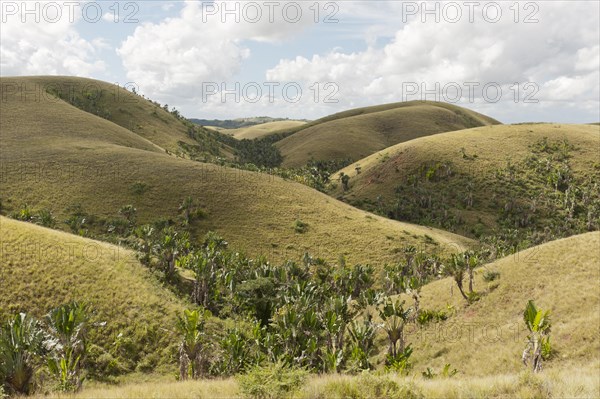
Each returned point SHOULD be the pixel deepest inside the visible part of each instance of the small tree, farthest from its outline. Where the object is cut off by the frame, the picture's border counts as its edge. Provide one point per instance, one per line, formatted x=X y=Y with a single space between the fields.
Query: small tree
x=24 y=213
x=144 y=235
x=471 y=260
x=336 y=316
x=345 y=179
x=68 y=326
x=538 y=341
x=456 y=268
x=21 y=343
x=394 y=317
x=129 y=213
x=170 y=245
x=193 y=347
x=188 y=211
x=363 y=339
x=45 y=218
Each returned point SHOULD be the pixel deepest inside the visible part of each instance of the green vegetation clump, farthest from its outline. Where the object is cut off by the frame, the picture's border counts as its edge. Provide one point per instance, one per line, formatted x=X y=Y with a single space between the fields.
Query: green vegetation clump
x=258 y=152
x=538 y=346
x=139 y=188
x=60 y=343
x=272 y=381
x=300 y=226
x=21 y=346
x=446 y=372
x=490 y=275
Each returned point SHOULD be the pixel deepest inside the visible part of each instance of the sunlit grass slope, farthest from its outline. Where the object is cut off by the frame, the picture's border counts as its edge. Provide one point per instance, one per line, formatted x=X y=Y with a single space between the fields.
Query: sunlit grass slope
x=476 y=174
x=357 y=133
x=488 y=337
x=109 y=101
x=261 y=130
x=55 y=156
x=43 y=268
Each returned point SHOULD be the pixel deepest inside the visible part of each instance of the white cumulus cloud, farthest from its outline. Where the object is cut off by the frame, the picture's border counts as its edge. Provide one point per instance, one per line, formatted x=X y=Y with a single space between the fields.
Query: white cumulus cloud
x=45 y=41
x=559 y=54
x=206 y=43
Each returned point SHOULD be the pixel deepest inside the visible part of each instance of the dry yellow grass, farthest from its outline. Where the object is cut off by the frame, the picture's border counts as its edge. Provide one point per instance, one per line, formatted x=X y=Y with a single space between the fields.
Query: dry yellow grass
x=120 y=106
x=493 y=146
x=483 y=341
x=55 y=155
x=206 y=389
x=567 y=382
x=489 y=336
x=358 y=133
x=43 y=268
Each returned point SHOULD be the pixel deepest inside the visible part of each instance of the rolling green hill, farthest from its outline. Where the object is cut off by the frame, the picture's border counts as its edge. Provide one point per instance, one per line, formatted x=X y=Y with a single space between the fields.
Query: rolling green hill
x=84 y=157
x=60 y=158
x=129 y=110
x=357 y=133
x=43 y=268
x=535 y=181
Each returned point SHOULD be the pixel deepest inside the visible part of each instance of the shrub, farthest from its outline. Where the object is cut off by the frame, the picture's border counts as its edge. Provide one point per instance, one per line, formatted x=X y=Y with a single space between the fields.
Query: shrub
x=271 y=381
x=490 y=276
x=399 y=363
x=45 y=218
x=21 y=346
x=139 y=187
x=78 y=220
x=103 y=364
x=23 y=214
x=117 y=226
x=538 y=346
x=447 y=372
x=426 y=316
x=473 y=297
x=300 y=227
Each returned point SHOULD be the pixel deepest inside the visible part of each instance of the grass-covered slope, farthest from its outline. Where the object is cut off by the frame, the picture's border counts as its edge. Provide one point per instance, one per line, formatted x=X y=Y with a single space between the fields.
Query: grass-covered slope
x=43 y=268
x=357 y=133
x=260 y=130
x=488 y=337
x=539 y=178
x=56 y=157
x=131 y=111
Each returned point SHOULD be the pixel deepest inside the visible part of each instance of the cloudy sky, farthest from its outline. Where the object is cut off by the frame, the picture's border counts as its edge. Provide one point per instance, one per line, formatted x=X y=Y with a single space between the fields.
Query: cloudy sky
x=515 y=61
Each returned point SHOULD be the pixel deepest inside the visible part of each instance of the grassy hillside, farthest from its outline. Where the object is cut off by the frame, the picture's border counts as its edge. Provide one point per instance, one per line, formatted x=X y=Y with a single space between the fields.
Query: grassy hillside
x=488 y=336
x=43 y=268
x=538 y=179
x=261 y=130
x=357 y=133
x=133 y=112
x=59 y=158
x=484 y=340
